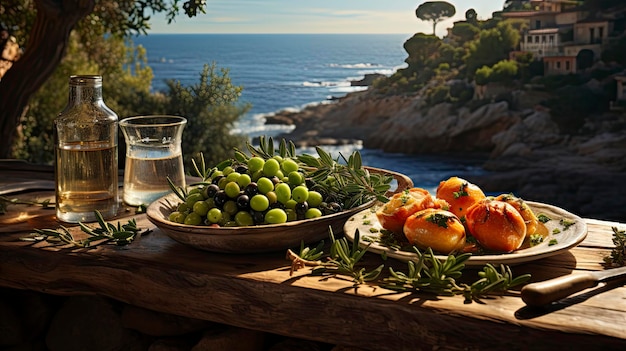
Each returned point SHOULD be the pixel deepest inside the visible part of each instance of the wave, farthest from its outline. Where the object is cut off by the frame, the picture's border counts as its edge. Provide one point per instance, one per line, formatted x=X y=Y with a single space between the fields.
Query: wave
x=347 y=89
x=343 y=83
x=355 y=65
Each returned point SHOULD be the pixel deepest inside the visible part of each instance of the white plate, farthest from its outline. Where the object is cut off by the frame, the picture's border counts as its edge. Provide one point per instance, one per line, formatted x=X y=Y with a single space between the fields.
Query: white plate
x=368 y=225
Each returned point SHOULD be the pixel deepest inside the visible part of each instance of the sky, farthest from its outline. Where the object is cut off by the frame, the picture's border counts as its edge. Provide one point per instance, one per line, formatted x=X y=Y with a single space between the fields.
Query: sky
x=317 y=16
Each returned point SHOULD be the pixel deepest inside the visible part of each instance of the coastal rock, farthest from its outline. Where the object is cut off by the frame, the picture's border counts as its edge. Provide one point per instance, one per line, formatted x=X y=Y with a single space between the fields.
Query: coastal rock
x=535 y=130
x=353 y=118
x=607 y=148
x=398 y=124
x=441 y=129
x=367 y=80
x=528 y=155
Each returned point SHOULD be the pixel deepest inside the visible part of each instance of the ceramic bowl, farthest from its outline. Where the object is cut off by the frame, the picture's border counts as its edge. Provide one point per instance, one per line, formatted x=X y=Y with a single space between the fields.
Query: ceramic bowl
x=259 y=238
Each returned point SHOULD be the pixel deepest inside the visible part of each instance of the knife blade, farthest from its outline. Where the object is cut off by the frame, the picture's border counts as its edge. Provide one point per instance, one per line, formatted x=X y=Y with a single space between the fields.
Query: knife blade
x=548 y=291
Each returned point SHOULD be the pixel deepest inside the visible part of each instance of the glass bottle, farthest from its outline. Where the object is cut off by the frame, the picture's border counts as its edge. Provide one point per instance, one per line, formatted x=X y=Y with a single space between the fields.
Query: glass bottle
x=86 y=171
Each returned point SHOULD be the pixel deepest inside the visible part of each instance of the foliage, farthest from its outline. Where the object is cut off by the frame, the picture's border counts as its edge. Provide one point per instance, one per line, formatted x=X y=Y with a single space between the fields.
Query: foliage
x=435 y=11
x=428 y=274
x=617 y=258
x=422 y=49
x=465 y=31
x=99 y=45
x=121 y=18
x=5 y=201
x=122 y=89
x=524 y=62
x=437 y=95
x=95 y=26
x=517 y=5
x=345 y=259
x=492 y=46
x=504 y=71
x=483 y=75
x=471 y=16
x=461 y=92
x=120 y=235
x=601 y=5
x=212 y=109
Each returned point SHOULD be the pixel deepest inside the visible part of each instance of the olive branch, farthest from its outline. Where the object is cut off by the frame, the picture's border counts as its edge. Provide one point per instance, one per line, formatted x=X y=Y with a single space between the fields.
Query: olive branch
x=427 y=274
x=118 y=234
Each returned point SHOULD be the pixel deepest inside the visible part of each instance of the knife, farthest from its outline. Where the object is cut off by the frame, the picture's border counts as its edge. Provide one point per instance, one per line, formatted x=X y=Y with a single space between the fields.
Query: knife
x=546 y=292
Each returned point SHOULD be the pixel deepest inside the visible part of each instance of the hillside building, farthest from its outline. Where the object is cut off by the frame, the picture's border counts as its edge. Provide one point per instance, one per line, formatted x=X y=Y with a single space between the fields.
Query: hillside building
x=565 y=36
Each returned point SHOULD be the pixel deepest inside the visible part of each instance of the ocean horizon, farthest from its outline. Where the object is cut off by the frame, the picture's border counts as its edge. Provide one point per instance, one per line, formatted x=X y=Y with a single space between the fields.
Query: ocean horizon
x=291 y=71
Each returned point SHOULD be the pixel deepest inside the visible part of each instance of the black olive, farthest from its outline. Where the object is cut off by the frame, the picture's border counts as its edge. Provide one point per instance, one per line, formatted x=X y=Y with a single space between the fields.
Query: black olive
x=258 y=217
x=243 y=202
x=251 y=189
x=220 y=198
x=210 y=191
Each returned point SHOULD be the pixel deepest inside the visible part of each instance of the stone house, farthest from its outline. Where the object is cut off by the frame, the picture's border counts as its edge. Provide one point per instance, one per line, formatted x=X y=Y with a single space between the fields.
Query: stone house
x=565 y=36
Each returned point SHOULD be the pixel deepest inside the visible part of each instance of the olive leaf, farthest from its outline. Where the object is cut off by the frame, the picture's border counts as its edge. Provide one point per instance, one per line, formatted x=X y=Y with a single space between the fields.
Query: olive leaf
x=345 y=259
x=107 y=232
x=353 y=185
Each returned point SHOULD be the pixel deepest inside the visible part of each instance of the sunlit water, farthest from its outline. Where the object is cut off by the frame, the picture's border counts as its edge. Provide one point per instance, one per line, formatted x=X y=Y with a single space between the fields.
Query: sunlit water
x=291 y=71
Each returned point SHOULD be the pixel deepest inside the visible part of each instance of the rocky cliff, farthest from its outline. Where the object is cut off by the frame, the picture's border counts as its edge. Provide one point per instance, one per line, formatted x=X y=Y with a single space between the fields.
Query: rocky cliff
x=528 y=154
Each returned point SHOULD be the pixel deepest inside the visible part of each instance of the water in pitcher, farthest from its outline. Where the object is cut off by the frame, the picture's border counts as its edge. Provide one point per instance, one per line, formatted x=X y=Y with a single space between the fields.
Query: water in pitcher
x=86 y=182
x=145 y=177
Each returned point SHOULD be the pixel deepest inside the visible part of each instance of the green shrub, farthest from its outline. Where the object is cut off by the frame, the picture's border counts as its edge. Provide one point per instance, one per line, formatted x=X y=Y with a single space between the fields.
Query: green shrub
x=438 y=95
x=483 y=75
x=504 y=71
x=211 y=108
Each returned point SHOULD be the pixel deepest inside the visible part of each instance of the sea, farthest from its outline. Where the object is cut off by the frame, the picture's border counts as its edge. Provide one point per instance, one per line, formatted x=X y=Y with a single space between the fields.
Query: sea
x=291 y=71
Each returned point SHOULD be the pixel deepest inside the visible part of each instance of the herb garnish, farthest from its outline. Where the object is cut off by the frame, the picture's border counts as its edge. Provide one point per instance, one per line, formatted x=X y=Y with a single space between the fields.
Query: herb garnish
x=566 y=223
x=428 y=274
x=431 y=275
x=618 y=253
x=462 y=191
x=439 y=219
x=354 y=184
x=404 y=197
x=345 y=259
x=120 y=235
x=6 y=201
x=543 y=218
x=536 y=239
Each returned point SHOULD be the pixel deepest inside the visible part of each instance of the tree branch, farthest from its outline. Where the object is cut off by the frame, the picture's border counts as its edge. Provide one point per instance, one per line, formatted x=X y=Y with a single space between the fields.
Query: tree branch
x=46 y=47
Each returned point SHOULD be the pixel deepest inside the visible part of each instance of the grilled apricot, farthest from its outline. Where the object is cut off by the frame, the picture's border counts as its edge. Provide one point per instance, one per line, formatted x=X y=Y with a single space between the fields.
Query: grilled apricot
x=394 y=213
x=522 y=207
x=438 y=229
x=460 y=194
x=496 y=225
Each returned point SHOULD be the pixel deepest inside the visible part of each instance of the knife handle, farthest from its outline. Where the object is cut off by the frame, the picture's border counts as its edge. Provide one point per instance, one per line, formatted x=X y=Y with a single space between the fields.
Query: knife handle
x=543 y=293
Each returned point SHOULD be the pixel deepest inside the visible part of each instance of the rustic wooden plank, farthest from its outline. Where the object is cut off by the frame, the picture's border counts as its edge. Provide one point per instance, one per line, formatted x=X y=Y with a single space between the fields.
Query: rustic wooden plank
x=221 y=288
x=258 y=292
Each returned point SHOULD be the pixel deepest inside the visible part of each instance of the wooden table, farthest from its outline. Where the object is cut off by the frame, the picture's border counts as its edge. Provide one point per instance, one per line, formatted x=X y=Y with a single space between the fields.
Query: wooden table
x=258 y=292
